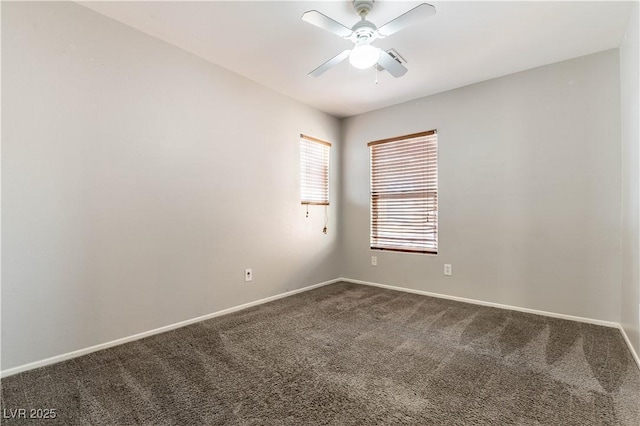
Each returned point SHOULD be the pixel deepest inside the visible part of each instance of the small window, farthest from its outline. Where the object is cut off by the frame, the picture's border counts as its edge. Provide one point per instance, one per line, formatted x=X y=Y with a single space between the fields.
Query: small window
x=314 y=170
x=404 y=193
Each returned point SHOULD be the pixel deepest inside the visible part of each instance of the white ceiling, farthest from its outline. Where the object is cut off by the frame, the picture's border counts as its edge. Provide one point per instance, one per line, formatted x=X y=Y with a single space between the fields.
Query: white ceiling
x=464 y=43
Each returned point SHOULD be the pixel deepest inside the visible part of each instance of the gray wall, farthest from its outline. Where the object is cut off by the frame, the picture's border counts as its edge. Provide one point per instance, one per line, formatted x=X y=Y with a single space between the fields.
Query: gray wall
x=138 y=182
x=529 y=168
x=629 y=71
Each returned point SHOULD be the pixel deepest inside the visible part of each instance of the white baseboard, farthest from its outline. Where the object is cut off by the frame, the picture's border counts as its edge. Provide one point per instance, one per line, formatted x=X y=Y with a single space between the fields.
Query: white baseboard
x=491 y=304
x=80 y=352
x=85 y=351
x=634 y=354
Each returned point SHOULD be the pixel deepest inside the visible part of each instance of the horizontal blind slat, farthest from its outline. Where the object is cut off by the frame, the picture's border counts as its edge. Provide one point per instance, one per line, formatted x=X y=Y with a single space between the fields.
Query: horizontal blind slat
x=404 y=193
x=314 y=170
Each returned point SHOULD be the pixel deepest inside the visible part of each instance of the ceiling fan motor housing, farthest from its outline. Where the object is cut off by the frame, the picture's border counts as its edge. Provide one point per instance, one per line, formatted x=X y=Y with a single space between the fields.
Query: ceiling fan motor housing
x=364 y=32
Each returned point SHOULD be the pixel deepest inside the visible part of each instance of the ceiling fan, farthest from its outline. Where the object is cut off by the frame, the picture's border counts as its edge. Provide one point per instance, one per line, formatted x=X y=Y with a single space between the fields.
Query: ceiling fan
x=363 y=55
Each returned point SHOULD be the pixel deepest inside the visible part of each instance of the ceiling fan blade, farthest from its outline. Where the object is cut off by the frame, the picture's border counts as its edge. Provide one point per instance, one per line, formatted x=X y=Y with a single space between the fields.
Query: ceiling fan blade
x=330 y=63
x=387 y=62
x=323 y=21
x=407 y=19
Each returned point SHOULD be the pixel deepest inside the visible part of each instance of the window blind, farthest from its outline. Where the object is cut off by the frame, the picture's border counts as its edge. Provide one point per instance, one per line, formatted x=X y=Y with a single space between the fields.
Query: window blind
x=314 y=170
x=404 y=193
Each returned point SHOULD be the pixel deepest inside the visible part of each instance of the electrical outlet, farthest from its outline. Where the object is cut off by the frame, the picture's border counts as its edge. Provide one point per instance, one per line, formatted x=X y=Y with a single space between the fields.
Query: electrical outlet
x=374 y=260
x=248 y=275
x=447 y=269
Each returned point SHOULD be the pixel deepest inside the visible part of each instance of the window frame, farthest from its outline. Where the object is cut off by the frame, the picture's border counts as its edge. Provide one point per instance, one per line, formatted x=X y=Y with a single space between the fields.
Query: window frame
x=306 y=177
x=384 y=187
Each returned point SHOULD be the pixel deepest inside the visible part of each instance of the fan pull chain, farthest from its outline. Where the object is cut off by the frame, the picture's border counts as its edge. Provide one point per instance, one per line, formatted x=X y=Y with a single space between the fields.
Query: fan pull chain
x=307 y=211
x=376 y=67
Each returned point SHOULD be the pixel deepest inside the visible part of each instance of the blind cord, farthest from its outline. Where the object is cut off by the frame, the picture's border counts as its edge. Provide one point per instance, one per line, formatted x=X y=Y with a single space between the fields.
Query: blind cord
x=326 y=219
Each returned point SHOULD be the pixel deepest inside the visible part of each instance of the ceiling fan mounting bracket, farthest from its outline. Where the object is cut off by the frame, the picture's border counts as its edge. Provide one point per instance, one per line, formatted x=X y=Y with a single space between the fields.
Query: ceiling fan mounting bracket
x=363 y=7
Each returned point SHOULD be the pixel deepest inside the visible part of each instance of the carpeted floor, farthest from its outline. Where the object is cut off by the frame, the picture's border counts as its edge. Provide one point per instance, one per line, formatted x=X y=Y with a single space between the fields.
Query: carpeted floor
x=347 y=354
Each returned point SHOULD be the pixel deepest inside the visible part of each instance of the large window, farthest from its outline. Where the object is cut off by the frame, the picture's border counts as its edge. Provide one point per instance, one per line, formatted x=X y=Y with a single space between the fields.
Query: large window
x=404 y=193
x=314 y=170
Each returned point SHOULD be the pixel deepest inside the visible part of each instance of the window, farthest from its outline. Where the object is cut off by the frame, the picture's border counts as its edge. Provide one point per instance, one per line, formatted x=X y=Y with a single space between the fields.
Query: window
x=314 y=170
x=404 y=193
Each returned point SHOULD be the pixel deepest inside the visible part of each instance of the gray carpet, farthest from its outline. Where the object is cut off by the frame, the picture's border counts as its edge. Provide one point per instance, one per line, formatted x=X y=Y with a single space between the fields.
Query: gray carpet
x=348 y=354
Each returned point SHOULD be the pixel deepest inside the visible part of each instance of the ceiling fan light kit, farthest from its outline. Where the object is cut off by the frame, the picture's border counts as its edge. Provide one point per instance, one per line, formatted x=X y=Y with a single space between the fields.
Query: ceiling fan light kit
x=363 y=55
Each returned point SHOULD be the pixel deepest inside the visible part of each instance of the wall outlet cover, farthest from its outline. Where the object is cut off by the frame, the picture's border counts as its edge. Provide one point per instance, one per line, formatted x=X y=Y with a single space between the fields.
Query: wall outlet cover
x=447 y=269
